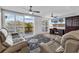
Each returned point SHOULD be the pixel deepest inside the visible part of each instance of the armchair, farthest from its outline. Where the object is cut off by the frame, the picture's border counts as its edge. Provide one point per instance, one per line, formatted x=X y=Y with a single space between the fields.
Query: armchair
x=21 y=47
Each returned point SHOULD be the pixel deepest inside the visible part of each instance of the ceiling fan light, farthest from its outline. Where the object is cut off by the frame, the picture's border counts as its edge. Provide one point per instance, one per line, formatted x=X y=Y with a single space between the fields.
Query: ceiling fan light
x=30 y=12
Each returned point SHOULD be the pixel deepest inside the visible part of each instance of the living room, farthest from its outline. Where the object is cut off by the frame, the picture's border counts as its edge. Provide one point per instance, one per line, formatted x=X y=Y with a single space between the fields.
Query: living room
x=39 y=29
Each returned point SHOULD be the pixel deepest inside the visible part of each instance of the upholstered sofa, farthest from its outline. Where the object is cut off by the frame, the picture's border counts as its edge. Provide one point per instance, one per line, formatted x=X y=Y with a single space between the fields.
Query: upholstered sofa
x=21 y=47
x=68 y=43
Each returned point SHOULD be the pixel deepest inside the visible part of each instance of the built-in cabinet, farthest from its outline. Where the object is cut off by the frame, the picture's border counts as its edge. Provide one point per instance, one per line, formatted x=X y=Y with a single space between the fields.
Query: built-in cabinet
x=71 y=23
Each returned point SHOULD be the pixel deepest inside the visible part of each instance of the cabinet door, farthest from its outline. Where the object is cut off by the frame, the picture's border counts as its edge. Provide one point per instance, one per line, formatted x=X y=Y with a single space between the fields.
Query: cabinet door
x=72 y=23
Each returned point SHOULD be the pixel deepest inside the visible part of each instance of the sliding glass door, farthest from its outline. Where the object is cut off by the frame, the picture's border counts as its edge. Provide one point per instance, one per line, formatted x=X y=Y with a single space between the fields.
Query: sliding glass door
x=17 y=22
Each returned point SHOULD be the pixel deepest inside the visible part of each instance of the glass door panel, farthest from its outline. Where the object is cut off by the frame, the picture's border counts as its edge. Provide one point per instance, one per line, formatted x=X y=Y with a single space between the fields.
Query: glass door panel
x=9 y=22
x=28 y=25
x=19 y=24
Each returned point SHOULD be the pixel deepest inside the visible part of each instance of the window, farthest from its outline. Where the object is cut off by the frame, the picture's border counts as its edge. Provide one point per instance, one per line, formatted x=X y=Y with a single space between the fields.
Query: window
x=9 y=22
x=28 y=24
x=17 y=22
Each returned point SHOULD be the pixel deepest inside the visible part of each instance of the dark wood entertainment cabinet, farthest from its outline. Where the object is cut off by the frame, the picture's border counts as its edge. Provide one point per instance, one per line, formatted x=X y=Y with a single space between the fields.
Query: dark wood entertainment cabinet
x=71 y=23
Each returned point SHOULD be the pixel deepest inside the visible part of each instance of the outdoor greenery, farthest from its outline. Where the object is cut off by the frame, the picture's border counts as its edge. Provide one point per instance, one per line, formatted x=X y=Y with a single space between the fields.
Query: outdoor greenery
x=27 y=26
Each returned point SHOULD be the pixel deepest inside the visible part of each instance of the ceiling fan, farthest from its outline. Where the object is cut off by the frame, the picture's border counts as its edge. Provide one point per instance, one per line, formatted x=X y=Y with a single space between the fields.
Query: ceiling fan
x=30 y=10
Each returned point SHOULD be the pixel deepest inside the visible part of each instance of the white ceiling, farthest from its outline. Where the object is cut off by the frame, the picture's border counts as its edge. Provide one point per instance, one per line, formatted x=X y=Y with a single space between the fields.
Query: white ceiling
x=57 y=10
x=45 y=11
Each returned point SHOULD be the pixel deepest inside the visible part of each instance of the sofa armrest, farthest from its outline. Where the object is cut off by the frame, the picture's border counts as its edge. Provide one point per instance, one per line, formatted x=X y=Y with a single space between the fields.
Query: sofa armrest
x=44 y=48
x=60 y=49
x=16 y=47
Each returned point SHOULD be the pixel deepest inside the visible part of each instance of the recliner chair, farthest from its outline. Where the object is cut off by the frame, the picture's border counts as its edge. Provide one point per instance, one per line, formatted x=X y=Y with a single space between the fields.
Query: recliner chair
x=69 y=44
x=21 y=47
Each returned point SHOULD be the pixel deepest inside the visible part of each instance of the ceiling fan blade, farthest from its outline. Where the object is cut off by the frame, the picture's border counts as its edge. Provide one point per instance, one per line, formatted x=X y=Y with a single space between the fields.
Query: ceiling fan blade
x=36 y=11
x=30 y=10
